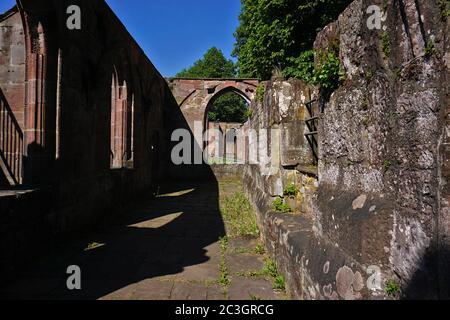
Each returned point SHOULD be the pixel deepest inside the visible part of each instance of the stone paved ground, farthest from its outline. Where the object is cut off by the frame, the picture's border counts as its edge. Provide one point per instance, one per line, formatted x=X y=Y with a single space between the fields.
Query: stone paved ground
x=164 y=248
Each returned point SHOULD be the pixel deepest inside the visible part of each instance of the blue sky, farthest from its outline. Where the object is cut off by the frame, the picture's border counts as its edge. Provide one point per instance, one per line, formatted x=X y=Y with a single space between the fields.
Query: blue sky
x=175 y=33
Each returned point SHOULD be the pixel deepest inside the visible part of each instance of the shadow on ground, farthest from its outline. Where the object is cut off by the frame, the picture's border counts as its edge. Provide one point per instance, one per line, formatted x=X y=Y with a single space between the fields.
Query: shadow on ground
x=153 y=239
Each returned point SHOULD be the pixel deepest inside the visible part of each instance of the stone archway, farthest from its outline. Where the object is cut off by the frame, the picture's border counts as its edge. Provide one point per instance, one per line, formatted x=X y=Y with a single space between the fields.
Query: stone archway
x=194 y=96
x=221 y=90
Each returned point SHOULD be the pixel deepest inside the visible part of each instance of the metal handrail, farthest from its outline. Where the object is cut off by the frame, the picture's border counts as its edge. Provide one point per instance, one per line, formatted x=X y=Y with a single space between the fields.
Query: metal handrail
x=11 y=143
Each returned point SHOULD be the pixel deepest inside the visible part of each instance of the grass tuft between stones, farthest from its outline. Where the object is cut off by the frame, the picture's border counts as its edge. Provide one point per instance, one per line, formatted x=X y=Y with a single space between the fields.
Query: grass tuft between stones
x=238 y=216
x=269 y=270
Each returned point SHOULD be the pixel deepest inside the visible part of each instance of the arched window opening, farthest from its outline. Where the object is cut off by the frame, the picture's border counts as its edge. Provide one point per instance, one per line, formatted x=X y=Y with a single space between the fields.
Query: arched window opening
x=121 y=124
x=231 y=146
x=225 y=118
x=229 y=108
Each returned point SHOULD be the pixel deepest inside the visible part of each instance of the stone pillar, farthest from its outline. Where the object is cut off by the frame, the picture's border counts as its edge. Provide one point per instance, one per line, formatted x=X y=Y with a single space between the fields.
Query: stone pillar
x=224 y=143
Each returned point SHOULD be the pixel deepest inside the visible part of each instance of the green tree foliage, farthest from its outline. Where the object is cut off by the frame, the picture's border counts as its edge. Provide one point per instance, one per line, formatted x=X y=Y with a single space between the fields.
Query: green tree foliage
x=301 y=67
x=212 y=65
x=229 y=107
x=277 y=33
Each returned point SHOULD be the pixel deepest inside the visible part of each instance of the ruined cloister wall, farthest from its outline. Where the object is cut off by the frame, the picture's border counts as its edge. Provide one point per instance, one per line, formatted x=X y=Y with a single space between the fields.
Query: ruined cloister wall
x=280 y=116
x=288 y=237
x=12 y=62
x=12 y=77
x=226 y=142
x=68 y=158
x=380 y=192
x=194 y=97
x=102 y=50
x=378 y=200
x=379 y=209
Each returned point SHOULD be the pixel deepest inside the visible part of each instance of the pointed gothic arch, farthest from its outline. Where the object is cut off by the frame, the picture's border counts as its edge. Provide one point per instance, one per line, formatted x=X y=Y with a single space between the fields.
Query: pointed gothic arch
x=122 y=105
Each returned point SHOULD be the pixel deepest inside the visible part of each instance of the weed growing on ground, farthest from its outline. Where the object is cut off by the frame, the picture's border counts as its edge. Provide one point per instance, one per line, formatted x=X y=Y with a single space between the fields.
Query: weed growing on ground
x=259 y=249
x=238 y=216
x=291 y=191
x=392 y=288
x=280 y=206
x=93 y=246
x=279 y=284
x=223 y=241
x=270 y=269
x=242 y=250
x=224 y=278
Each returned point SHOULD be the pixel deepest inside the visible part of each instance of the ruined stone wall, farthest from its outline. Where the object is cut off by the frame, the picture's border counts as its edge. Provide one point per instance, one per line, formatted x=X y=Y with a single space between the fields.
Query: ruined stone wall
x=379 y=196
x=443 y=168
x=24 y=233
x=280 y=114
x=12 y=62
x=91 y=57
x=226 y=146
x=194 y=97
x=12 y=81
x=70 y=156
x=288 y=237
x=380 y=211
x=283 y=107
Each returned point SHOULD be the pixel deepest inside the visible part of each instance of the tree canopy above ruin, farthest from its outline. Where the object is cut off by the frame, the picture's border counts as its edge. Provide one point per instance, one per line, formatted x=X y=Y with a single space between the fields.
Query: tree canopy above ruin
x=275 y=34
x=212 y=65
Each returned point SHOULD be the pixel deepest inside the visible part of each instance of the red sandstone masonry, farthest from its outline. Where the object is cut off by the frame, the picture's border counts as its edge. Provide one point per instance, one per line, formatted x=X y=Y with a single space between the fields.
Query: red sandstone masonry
x=90 y=153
